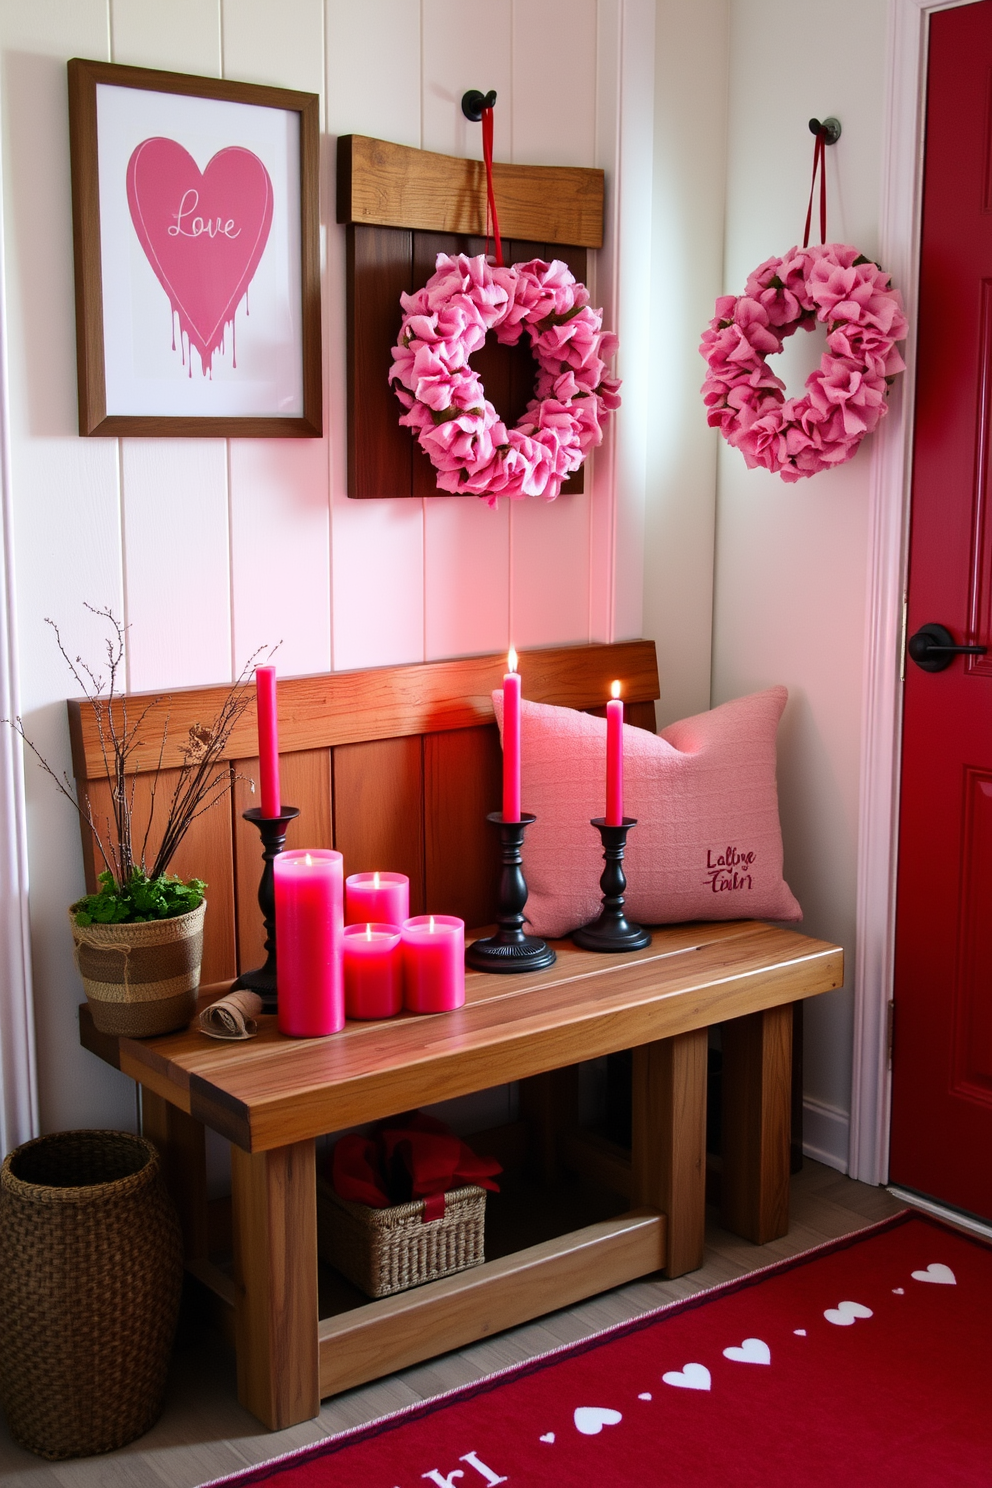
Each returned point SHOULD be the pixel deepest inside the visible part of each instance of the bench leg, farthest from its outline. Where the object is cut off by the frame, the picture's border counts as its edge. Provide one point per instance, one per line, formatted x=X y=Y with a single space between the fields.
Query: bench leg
x=668 y=1142
x=274 y=1199
x=757 y=1086
x=181 y=1142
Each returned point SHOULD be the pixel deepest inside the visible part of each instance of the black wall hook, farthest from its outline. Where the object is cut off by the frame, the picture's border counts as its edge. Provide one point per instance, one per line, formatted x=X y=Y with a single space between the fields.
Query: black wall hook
x=830 y=127
x=473 y=102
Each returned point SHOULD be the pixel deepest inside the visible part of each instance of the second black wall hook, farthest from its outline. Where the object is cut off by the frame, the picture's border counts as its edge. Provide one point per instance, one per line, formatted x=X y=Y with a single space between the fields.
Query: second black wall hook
x=830 y=126
x=473 y=102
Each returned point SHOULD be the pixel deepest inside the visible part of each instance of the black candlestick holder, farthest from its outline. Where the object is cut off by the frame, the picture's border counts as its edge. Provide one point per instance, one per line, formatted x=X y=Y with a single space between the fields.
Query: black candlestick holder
x=612 y=931
x=510 y=950
x=273 y=832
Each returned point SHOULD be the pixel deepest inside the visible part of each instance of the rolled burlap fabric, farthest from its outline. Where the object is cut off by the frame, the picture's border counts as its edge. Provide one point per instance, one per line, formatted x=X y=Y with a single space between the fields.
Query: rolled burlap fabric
x=232 y=1017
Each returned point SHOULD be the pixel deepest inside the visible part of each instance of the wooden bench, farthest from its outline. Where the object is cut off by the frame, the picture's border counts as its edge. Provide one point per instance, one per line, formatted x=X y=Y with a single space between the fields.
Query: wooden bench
x=397 y=768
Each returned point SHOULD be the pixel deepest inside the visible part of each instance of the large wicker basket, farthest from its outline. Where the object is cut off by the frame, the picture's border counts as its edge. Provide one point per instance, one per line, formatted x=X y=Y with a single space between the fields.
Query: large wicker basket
x=141 y=979
x=388 y=1250
x=90 y=1281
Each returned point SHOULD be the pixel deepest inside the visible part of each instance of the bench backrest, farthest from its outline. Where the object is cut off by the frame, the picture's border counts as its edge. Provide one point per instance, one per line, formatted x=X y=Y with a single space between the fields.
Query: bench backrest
x=396 y=767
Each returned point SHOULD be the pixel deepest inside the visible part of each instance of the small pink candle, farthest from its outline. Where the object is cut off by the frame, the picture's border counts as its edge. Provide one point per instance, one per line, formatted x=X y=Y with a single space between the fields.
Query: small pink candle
x=511 y=741
x=382 y=898
x=614 y=759
x=433 y=963
x=268 y=739
x=373 y=971
x=309 y=891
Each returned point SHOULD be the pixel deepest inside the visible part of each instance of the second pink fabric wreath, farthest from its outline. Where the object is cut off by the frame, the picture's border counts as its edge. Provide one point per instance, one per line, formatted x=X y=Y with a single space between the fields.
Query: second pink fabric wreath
x=833 y=285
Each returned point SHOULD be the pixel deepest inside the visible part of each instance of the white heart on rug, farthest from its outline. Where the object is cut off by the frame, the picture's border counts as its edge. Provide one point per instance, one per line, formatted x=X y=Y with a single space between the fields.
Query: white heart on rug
x=844 y=1314
x=799 y=1332
x=645 y=1396
x=693 y=1377
x=898 y=1291
x=548 y=1436
x=942 y=1275
x=751 y=1351
x=590 y=1419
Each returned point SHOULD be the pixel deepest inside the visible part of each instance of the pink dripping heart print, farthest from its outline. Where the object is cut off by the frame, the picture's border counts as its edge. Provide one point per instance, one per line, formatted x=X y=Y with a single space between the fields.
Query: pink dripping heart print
x=203 y=232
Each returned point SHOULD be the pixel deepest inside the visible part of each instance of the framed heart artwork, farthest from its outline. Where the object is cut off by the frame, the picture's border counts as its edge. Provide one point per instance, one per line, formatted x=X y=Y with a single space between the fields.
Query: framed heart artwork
x=197 y=255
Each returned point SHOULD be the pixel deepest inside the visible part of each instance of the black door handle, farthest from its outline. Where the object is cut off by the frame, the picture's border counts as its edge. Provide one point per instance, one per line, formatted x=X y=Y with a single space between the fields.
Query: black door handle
x=933 y=648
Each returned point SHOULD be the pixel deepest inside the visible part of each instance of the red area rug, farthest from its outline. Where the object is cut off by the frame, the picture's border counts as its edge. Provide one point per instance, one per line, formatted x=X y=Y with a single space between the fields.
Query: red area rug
x=866 y=1363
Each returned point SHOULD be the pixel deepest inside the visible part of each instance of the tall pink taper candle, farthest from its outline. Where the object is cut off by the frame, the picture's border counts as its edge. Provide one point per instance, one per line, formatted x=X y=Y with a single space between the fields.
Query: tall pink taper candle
x=614 y=759
x=268 y=739
x=511 y=741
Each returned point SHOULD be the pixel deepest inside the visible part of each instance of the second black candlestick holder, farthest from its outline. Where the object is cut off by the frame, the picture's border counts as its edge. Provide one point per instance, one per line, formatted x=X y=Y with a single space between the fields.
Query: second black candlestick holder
x=273 y=832
x=613 y=931
x=510 y=950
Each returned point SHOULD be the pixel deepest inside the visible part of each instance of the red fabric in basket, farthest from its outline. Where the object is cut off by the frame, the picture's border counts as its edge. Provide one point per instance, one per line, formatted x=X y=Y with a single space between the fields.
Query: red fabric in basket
x=409 y=1157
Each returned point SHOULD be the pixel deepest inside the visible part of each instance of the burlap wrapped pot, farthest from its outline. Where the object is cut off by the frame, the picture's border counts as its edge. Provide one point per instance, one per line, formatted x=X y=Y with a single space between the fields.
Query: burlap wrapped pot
x=90 y=1280
x=141 y=979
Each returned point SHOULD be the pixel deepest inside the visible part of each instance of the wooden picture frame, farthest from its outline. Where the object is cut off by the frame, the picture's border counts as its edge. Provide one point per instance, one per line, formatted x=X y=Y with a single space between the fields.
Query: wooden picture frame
x=195 y=212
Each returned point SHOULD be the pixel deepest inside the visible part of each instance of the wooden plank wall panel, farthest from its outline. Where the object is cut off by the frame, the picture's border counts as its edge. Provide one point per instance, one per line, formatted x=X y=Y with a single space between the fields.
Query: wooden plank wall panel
x=379 y=809
x=462 y=784
x=372 y=75
x=380 y=452
x=550 y=547
x=384 y=459
x=178 y=591
x=305 y=779
x=278 y=488
x=207 y=852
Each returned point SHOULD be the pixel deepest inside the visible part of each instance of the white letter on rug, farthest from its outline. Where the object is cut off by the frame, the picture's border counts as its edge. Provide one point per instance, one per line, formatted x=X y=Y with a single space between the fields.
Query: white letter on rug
x=482 y=1469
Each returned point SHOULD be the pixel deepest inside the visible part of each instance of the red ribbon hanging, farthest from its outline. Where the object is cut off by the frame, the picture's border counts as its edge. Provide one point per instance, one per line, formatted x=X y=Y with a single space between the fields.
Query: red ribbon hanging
x=487 y=155
x=819 y=161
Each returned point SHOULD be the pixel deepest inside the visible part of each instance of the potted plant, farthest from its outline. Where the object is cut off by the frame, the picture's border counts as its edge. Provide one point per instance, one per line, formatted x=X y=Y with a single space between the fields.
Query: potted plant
x=139 y=937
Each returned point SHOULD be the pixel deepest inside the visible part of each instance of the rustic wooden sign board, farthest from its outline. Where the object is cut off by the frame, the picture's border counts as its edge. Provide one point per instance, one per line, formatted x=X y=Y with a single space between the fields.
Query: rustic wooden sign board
x=402 y=207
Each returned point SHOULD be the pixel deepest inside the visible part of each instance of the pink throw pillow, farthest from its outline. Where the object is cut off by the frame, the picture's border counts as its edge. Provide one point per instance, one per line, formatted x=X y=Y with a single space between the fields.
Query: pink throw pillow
x=708 y=844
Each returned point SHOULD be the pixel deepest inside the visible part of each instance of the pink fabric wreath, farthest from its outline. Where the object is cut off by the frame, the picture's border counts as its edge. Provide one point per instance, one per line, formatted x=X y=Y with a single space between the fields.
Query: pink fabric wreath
x=845 y=397
x=460 y=430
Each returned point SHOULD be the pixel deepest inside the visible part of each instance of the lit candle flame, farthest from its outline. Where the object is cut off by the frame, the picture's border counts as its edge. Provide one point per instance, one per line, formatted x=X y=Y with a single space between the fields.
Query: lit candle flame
x=368 y=932
x=309 y=861
x=615 y=690
x=511 y=660
x=432 y=925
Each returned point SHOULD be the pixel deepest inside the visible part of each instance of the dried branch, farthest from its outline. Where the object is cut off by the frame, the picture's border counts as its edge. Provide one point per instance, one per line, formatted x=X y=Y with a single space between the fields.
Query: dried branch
x=202 y=779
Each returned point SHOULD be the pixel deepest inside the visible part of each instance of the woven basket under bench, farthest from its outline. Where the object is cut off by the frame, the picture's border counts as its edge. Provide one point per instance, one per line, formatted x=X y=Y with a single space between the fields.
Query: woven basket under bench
x=388 y=1250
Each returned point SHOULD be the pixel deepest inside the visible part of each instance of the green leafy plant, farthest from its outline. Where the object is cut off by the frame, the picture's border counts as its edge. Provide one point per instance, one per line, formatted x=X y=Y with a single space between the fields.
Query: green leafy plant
x=134 y=883
x=140 y=899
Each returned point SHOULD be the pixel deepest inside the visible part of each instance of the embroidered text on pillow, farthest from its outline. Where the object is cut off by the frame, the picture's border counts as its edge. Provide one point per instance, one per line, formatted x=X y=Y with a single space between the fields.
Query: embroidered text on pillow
x=729 y=870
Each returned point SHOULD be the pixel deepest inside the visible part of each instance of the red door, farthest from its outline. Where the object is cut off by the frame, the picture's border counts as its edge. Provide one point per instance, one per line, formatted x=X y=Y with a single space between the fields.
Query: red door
x=942 y=1064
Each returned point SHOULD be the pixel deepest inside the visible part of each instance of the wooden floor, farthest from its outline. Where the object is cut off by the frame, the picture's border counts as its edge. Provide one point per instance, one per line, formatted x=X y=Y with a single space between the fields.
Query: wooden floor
x=204 y=1433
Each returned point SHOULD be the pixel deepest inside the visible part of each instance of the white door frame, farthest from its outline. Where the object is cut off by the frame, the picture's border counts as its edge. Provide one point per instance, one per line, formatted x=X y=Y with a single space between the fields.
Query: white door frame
x=884 y=641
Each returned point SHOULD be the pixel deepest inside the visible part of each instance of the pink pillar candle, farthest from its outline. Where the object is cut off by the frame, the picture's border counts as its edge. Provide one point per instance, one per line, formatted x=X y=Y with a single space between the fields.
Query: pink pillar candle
x=268 y=739
x=511 y=741
x=614 y=759
x=382 y=898
x=433 y=963
x=309 y=890
x=373 y=971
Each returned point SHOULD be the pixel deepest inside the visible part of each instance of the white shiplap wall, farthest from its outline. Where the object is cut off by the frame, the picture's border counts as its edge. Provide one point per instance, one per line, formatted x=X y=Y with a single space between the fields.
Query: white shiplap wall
x=209 y=548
